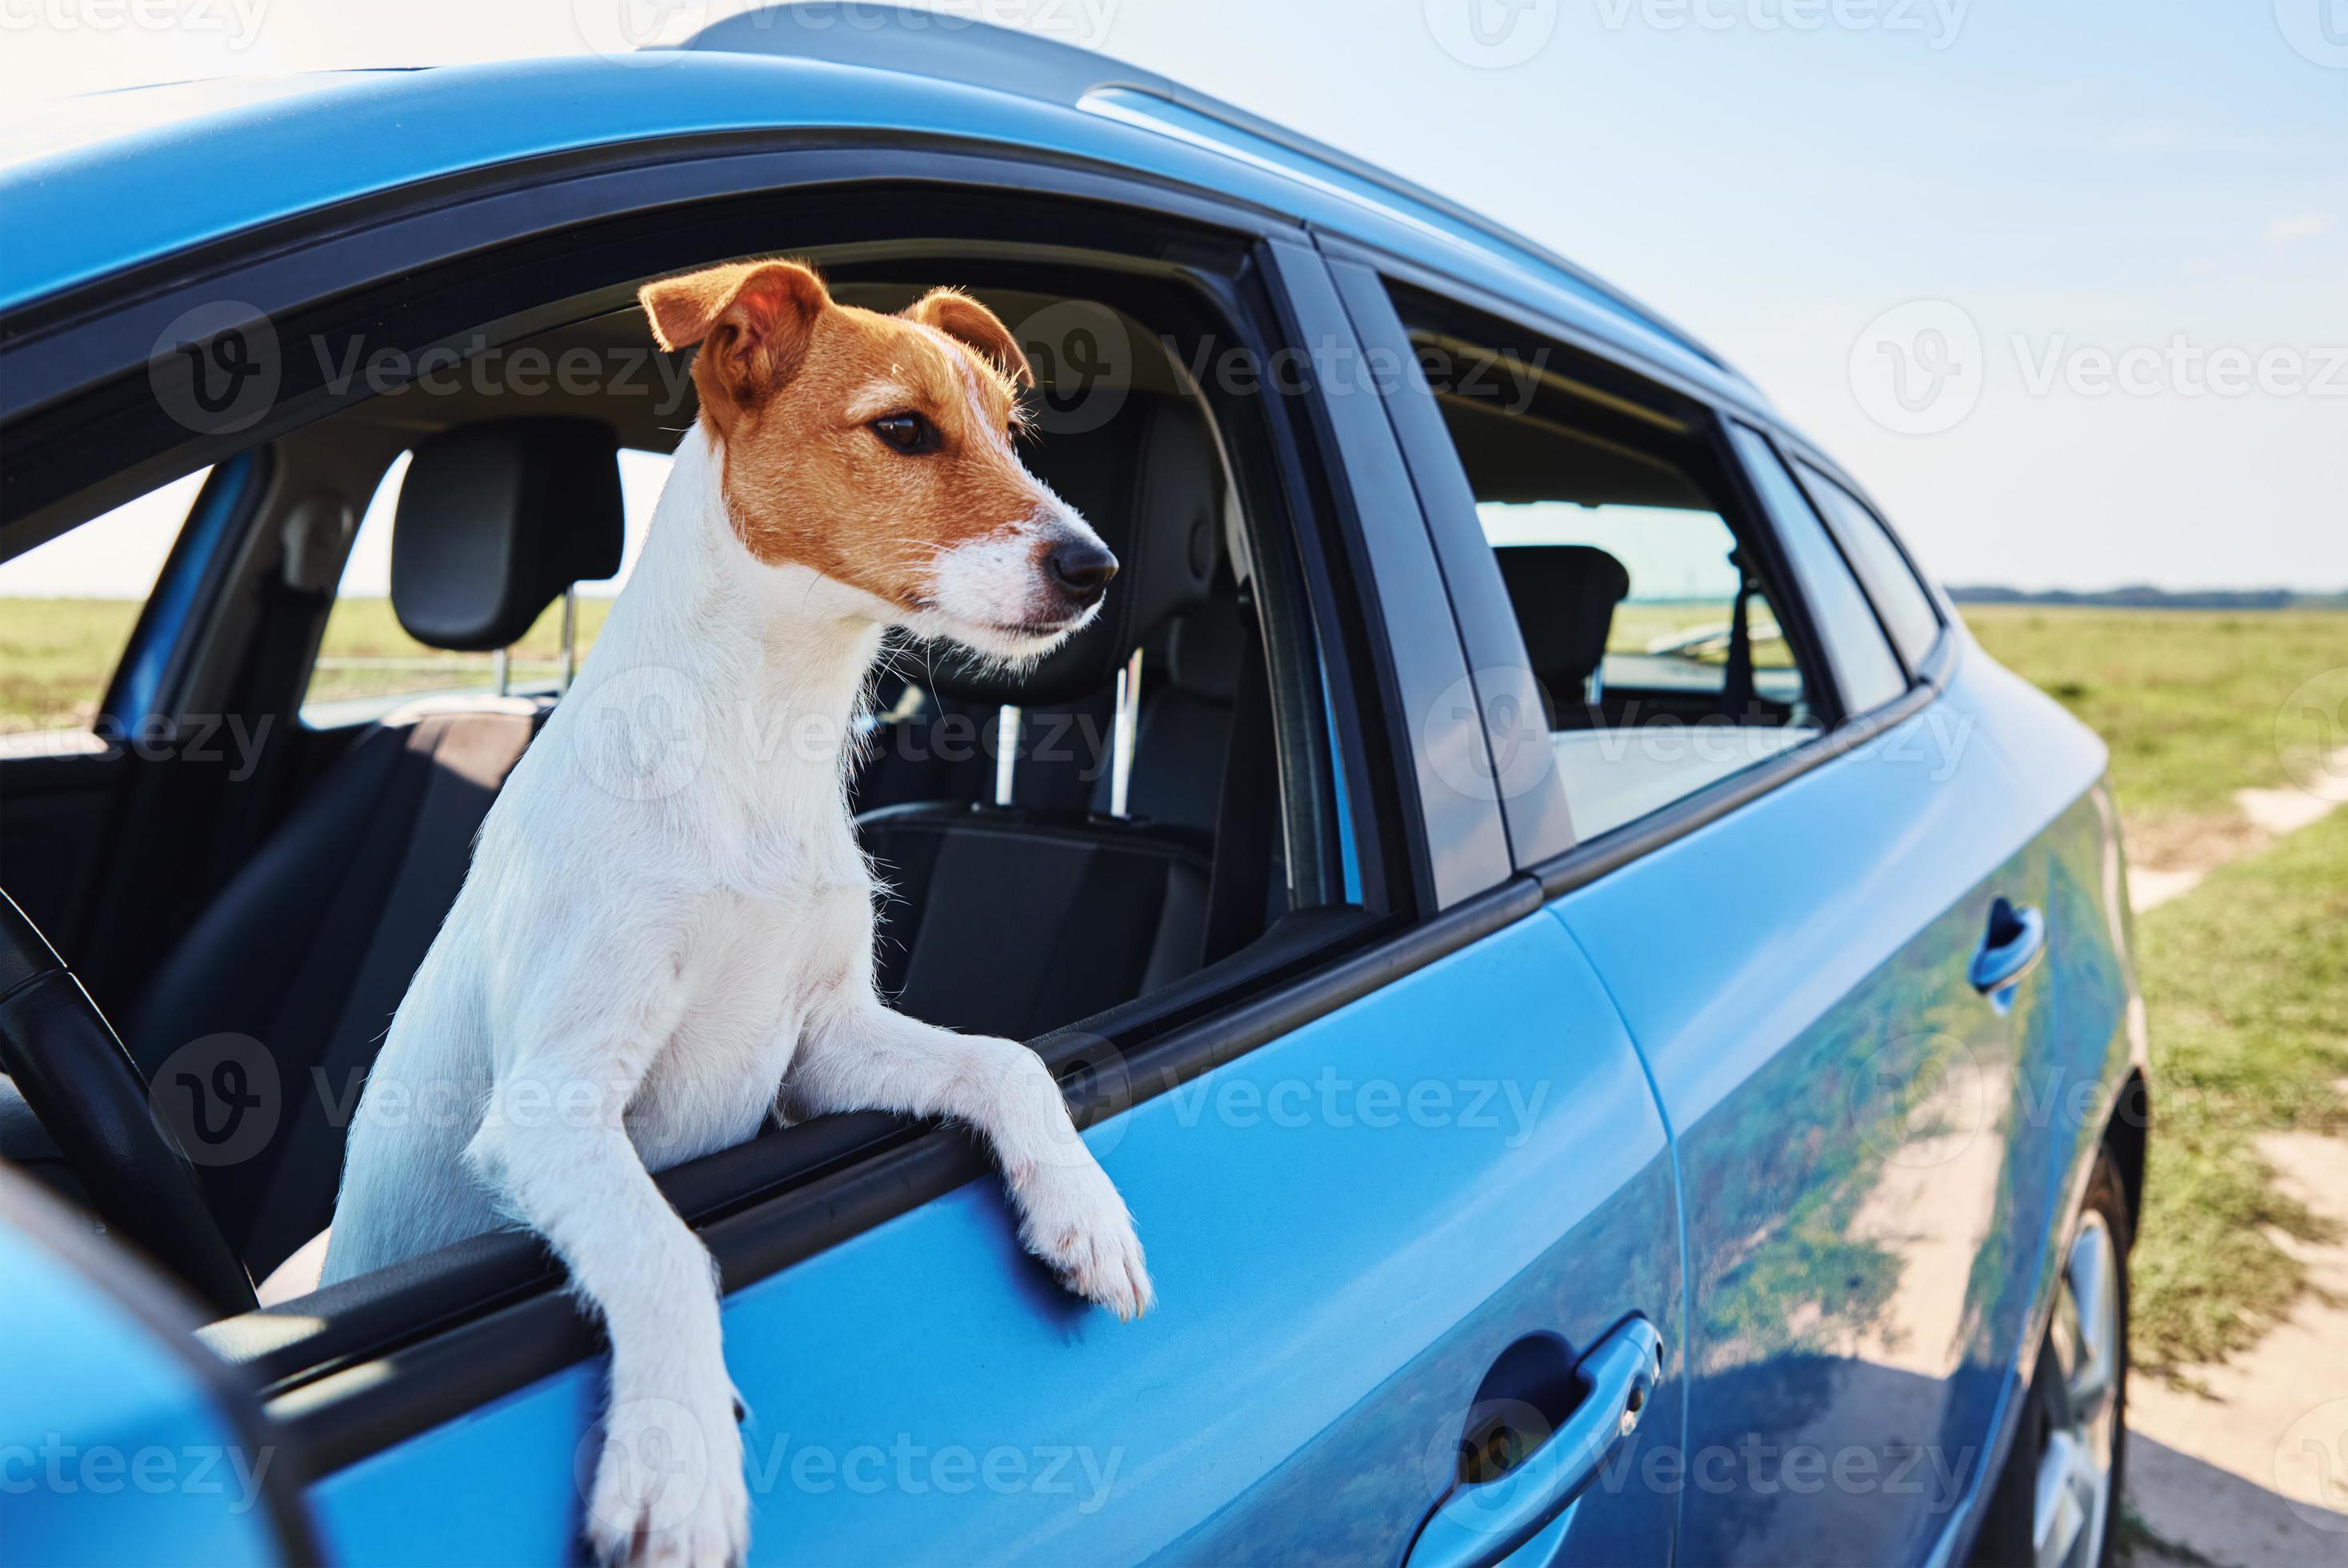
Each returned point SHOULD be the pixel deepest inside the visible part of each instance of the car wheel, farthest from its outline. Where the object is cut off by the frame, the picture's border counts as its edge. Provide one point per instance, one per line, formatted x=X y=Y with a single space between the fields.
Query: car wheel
x=2057 y=1500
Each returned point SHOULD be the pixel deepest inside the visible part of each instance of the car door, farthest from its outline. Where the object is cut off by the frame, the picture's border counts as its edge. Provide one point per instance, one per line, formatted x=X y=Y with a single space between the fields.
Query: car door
x=1411 y=1216
x=1824 y=956
x=1833 y=987
x=120 y=1441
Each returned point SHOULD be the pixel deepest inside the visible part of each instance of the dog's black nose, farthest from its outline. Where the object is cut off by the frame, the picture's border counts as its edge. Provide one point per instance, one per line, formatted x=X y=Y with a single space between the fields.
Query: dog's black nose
x=1083 y=569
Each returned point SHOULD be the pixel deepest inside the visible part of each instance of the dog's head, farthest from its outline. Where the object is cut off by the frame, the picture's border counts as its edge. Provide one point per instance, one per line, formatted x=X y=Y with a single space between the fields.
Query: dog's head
x=880 y=450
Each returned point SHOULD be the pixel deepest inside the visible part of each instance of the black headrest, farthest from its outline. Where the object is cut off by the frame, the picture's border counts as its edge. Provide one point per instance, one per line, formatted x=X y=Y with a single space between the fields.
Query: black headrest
x=1564 y=596
x=1149 y=483
x=495 y=520
x=1203 y=648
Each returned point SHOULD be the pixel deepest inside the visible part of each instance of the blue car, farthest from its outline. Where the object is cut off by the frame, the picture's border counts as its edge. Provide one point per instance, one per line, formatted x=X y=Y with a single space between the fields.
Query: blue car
x=1614 y=1015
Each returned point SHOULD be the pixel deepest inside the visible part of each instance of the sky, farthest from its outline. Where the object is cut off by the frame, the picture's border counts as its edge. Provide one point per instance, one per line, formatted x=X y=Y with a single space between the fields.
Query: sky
x=2064 y=283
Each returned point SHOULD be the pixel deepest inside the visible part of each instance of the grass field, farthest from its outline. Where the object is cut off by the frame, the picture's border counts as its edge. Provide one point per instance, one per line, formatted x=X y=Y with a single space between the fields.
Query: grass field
x=366 y=653
x=2246 y=978
x=56 y=656
x=2246 y=992
x=2187 y=700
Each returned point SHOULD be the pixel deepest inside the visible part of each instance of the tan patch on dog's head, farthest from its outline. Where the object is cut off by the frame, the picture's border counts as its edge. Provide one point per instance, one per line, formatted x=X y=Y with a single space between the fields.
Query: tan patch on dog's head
x=863 y=446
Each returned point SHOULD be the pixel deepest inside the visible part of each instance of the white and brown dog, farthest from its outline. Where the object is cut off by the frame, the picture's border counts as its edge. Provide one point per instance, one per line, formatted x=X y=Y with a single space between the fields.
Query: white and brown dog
x=636 y=975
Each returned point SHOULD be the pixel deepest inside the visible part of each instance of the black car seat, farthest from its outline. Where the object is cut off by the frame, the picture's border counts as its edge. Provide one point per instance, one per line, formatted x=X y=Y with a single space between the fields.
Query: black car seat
x=1013 y=919
x=1564 y=596
x=311 y=945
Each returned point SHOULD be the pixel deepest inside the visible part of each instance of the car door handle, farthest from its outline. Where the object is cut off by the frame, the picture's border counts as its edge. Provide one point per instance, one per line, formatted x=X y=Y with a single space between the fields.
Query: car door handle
x=1478 y=1524
x=2015 y=943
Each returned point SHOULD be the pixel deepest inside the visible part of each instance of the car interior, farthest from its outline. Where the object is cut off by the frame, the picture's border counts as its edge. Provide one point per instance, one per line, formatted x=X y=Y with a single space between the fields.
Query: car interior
x=1061 y=843
x=1645 y=606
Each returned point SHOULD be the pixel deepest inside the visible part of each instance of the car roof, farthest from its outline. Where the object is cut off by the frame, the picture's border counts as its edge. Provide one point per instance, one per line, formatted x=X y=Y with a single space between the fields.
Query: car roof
x=181 y=165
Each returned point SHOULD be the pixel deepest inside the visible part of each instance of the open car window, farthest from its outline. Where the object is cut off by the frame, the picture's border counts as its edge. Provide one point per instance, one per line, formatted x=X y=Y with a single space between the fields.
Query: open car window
x=1157 y=816
x=1654 y=618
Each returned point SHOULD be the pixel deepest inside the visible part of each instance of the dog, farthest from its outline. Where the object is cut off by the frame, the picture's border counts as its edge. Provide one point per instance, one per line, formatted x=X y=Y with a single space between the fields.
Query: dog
x=666 y=933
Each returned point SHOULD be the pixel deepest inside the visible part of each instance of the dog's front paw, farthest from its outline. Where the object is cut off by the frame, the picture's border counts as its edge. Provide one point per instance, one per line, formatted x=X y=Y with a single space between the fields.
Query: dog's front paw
x=1072 y=1218
x=668 y=1489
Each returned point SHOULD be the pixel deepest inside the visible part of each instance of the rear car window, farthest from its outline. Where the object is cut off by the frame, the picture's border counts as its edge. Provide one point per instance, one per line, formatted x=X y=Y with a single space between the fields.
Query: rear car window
x=1907 y=610
x=1651 y=627
x=1864 y=666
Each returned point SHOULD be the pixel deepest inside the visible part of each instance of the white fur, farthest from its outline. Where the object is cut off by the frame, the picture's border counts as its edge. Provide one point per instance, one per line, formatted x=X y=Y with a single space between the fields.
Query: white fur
x=667 y=923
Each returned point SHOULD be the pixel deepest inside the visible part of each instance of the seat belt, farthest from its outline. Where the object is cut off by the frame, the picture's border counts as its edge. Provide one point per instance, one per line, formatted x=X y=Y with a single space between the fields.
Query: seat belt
x=1247 y=815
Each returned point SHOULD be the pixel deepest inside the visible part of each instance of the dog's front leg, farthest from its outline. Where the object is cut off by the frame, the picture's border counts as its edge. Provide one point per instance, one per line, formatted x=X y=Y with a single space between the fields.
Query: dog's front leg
x=1070 y=1215
x=668 y=1486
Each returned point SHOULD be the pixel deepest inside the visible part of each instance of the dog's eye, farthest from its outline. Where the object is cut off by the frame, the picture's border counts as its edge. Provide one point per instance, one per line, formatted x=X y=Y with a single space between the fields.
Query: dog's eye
x=908 y=433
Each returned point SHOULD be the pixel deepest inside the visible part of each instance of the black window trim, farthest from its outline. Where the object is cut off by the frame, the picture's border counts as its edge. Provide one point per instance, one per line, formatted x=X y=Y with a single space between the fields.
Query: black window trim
x=1807 y=475
x=447 y=1331
x=1460 y=843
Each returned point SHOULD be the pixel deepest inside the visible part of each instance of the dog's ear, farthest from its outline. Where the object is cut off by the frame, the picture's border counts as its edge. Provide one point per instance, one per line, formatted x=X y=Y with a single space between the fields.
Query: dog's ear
x=967 y=322
x=752 y=318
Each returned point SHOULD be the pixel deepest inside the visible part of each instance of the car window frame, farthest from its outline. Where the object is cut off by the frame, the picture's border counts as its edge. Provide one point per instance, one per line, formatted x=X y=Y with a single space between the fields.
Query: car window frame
x=1486 y=622
x=1840 y=656
x=1799 y=452
x=462 y=1327
x=1808 y=476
